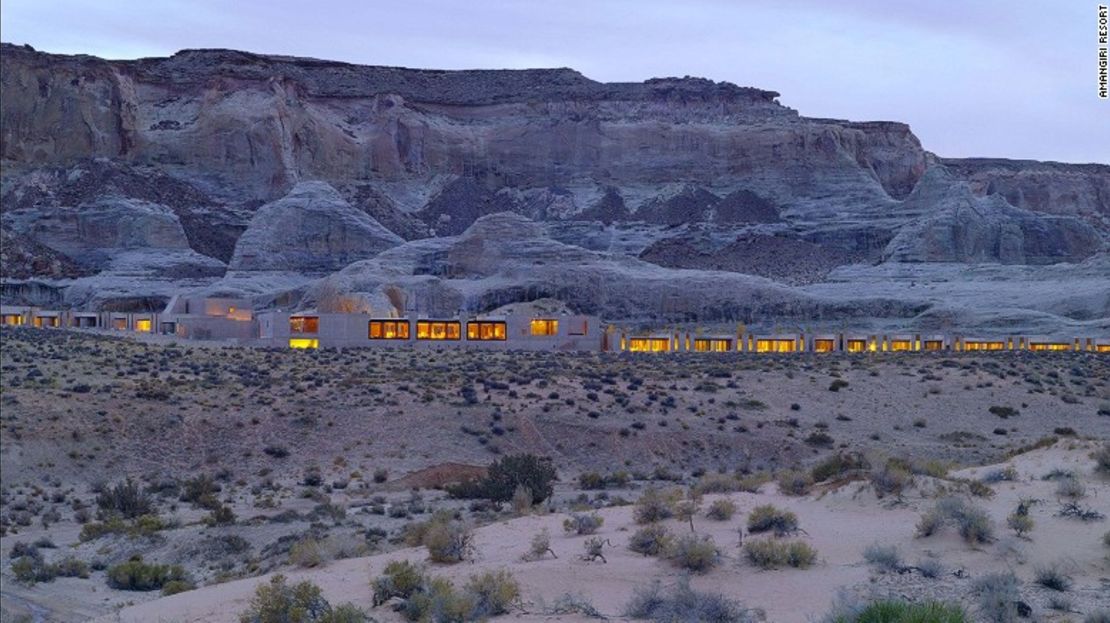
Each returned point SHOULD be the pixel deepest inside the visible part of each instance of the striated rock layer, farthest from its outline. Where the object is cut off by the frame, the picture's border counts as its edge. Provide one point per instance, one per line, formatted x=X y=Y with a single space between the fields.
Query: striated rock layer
x=236 y=172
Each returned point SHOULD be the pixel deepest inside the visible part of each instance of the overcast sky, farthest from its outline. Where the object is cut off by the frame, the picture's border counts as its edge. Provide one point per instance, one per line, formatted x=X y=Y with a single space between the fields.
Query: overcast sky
x=1005 y=78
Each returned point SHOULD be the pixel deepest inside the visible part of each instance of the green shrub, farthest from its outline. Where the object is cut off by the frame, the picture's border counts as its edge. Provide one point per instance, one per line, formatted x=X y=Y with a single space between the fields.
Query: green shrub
x=794 y=483
x=174 y=587
x=400 y=578
x=651 y=540
x=892 y=479
x=1019 y=522
x=656 y=505
x=201 y=491
x=582 y=524
x=768 y=518
x=540 y=546
x=492 y=593
x=892 y=611
x=136 y=575
x=693 y=553
x=143 y=526
x=278 y=602
x=438 y=602
x=684 y=604
x=30 y=570
x=773 y=554
x=125 y=500
x=721 y=510
x=717 y=483
x=449 y=542
x=306 y=553
x=506 y=474
x=71 y=568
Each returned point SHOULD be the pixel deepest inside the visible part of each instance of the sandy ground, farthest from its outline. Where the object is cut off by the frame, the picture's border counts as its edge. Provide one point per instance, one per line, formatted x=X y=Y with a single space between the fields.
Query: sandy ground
x=839 y=523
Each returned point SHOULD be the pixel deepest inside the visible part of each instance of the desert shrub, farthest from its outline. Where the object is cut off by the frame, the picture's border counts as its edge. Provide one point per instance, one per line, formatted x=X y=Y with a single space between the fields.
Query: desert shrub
x=721 y=510
x=506 y=474
x=752 y=483
x=1003 y=411
x=838 y=385
x=997 y=595
x=794 y=483
x=71 y=567
x=930 y=568
x=400 y=578
x=31 y=569
x=1052 y=577
x=125 y=500
x=278 y=602
x=656 y=505
x=581 y=524
x=136 y=575
x=717 y=483
x=522 y=500
x=772 y=554
x=1019 y=523
x=491 y=593
x=884 y=558
x=449 y=542
x=1005 y=474
x=143 y=526
x=222 y=515
x=1071 y=489
x=697 y=554
x=682 y=605
x=174 y=587
x=971 y=522
x=201 y=491
x=1097 y=616
x=1102 y=459
x=769 y=518
x=651 y=540
x=540 y=546
x=306 y=553
x=568 y=603
x=838 y=465
x=892 y=479
x=437 y=602
x=894 y=611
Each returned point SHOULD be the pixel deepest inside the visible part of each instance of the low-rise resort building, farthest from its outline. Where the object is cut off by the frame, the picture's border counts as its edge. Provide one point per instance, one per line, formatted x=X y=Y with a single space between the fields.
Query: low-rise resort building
x=234 y=321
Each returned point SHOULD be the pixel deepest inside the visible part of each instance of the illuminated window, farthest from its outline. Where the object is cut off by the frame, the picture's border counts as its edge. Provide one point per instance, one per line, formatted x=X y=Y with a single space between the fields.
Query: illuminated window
x=1102 y=348
x=649 y=344
x=934 y=345
x=389 y=329
x=485 y=331
x=541 y=326
x=857 y=346
x=900 y=345
x=119 y=324
x=775 y=346
x=824 y=346
x=304 y=324
x=142 y=325
x=982 y=345
x=303 y=342
x=438 y=330
x=45 y=321
x=707 y=345
x=1049 y=346
x=13 y=320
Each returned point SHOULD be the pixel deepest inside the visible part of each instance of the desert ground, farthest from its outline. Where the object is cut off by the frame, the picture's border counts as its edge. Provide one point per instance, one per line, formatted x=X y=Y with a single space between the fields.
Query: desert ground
x=323 y=466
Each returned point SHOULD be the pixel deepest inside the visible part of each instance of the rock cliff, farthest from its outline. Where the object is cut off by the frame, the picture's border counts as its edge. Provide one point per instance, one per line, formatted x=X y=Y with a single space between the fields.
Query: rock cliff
x=213 y=160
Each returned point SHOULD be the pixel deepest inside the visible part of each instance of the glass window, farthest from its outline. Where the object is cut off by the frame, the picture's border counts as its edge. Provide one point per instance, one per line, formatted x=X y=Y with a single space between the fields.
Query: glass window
x=304 y=324
x=438 y=330
x=934 y=345
x=142 y=325
x=389 y=330
x=485 y=330
x=824 y=346
x=544 y=326
x=301 y=342
x=706 y=345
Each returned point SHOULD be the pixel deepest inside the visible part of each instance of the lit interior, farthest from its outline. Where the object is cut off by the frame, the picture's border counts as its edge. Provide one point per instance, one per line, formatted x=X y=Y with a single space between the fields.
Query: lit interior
x=1102 y=348
x=485 y=331
x=46 y=321
x=857 y=346
x=304 y=324
x=389 y=329
x=13 y=320
x=544 y=326
x=304 y=342
x=438 y=329
x=649 y=344
x=824 y=346
x=1049 y=346
x=984 y=345
x=708 y=345
x=142 y=325
x=119 y=324
x=901 y=345
x=934 y=345
x=775 y=346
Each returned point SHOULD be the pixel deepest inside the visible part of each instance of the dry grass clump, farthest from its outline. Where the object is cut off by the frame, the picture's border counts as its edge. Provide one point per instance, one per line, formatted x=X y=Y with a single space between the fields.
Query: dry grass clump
x=683 y=603
x=794 y=482
x=697 y=554
x=656 y=505
x=651 y=540
x=773 y=554
x=721 y=510
x=768 y=518
x=540 y=546
x=884 y=558
x=582 y=524
x=972 y=522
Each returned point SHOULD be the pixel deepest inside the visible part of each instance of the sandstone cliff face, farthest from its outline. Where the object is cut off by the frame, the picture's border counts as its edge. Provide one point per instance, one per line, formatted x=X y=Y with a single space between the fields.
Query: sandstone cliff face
x=310 y=230
x=178 y=168
x=957 y=226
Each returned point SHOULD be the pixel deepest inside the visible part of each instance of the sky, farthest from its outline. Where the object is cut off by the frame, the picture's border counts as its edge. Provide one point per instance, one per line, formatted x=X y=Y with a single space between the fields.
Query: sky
x=996 y=78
